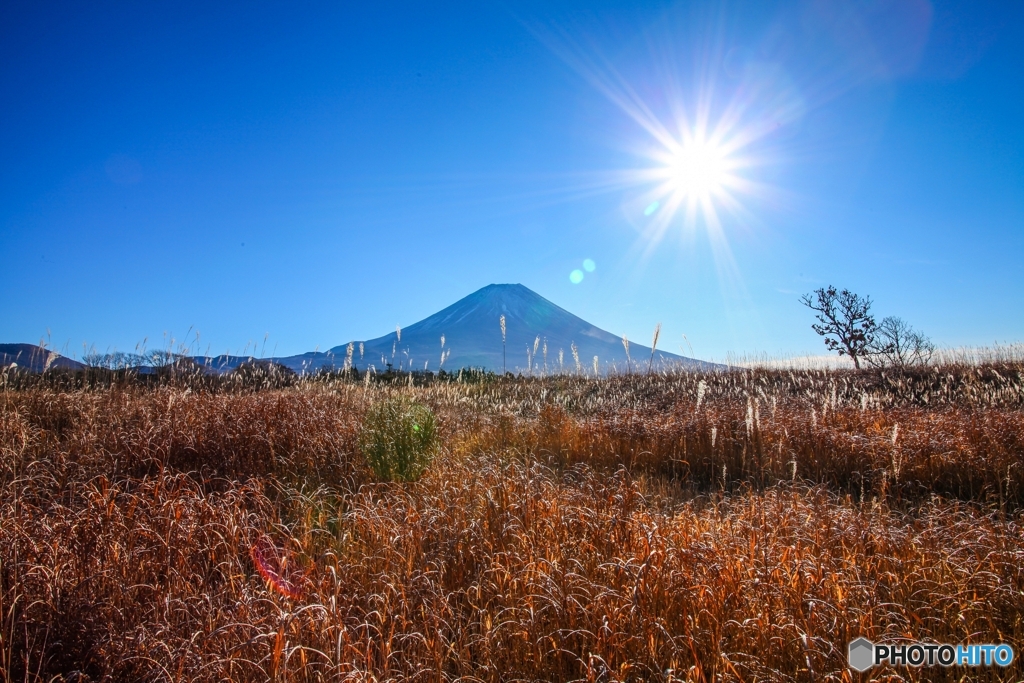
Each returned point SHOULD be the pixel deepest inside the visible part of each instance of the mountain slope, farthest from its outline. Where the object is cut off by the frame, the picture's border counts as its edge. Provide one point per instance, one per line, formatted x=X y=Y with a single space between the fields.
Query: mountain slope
x=472 y=335
x=35 y=358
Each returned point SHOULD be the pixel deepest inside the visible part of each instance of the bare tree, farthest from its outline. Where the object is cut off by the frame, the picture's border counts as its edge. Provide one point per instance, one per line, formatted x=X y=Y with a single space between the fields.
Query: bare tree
x=114 y=361
x=897 y=344
x=844 y=320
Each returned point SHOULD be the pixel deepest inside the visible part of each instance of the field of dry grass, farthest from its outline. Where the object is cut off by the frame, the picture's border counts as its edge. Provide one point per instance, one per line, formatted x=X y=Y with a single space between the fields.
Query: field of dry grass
x=738 y=526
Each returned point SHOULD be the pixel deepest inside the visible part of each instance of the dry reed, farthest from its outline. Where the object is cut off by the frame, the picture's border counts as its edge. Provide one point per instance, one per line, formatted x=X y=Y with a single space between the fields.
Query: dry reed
x=569 y=529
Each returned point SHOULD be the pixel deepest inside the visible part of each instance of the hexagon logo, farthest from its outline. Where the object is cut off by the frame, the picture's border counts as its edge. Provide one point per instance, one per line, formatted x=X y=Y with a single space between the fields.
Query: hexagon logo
x=862 y=654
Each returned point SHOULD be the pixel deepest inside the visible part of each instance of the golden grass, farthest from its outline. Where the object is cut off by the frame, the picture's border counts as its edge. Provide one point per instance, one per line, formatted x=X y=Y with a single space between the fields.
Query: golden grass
x=570 y=529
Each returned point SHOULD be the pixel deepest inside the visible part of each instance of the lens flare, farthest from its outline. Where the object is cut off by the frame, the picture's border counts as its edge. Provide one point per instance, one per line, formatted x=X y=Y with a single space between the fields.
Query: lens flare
x=272 y=564
x=576 y=276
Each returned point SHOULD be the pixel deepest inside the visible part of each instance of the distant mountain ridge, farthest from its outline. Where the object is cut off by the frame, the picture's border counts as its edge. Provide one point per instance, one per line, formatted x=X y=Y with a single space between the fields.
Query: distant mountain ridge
x=35 y=358
x=473 y=338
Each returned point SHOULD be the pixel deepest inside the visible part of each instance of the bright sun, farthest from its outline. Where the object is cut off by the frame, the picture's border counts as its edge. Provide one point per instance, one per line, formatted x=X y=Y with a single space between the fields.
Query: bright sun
x=698 y=170
x=694 y=178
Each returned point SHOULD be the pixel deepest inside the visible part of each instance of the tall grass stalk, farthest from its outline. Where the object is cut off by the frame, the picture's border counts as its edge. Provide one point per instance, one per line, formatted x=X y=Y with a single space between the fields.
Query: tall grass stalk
x=504 y=369
x=654 y=346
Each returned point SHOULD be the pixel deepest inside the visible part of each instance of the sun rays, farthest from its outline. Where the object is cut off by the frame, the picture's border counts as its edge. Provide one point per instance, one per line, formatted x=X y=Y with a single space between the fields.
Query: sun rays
x=697 y=143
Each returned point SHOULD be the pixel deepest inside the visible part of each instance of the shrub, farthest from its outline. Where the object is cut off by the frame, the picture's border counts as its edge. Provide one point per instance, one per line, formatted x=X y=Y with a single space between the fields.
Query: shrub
x=398 y=439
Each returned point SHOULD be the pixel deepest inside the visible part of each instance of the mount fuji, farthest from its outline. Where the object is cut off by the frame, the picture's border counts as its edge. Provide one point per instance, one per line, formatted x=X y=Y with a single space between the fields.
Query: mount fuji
x=473 y=338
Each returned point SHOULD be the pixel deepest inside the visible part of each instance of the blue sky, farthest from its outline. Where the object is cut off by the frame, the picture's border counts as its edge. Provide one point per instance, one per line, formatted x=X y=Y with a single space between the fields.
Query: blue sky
x=315 y=174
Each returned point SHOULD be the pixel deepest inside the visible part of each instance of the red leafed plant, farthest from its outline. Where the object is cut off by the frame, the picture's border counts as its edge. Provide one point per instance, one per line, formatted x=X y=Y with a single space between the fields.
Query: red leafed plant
x=272 y=564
